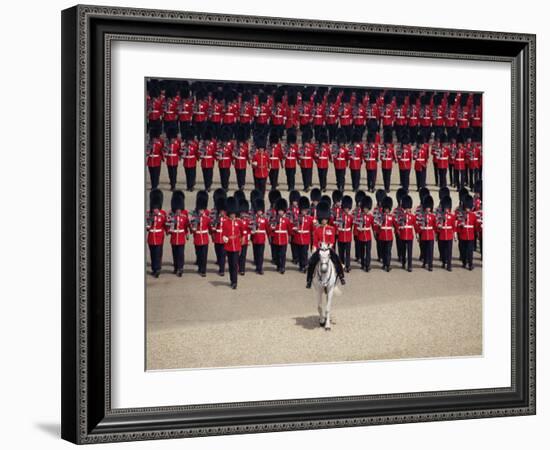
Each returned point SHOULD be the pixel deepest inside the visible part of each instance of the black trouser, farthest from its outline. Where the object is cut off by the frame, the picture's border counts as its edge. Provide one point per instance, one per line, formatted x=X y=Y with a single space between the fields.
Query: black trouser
x=279 y=255
x=364 y=253
x=306 y=177
x=344 y=251
x=385 y=250
x=184 y=126
x=348 y=130
x=459 y=179
x=371 y=179
x=420 y=178
x=200 y=127
x=190 y=177
x=219 y=249
x=290 y=178
x=340 y=178
x=474 y=176
x=386 y=174
x=468 y=248
x=154 y=125
x=207 y=174
x=171 y=129
x=461 y=251
x=202 y=255
x=154 y=173
x=301 y=253
x=442 y=177
x=224 y=178
x=172 y=176
x=355 y=179
x=259 y=183
x=156 y=257
x=436 y=174
x=356 y=247
x=447 y=252
x=241 y=177
x=242 y=259
x=315 y=259
x=178 y=256
x=258 y=250
x=399 y=247
x=451 y=175
x=274 y=178
x=293 y=252
x=378 y=250
x=428 y=253
x=233 y=263
x=322 y=178
x=406 y=252
x=404 y=176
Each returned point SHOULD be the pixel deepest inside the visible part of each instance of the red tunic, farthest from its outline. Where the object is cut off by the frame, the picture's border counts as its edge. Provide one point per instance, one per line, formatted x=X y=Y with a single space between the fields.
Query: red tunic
x=231 y=114
x=404 y=160
x=200 y=226
x=201 y=111
x=154 y=153
x=264 y=113
x=371 y=156
x=323 y=156
x=232 y=230
x=345 y=228
x=421 y=158
x=319 y=115
x=225 y=155
x=186 y=111
x=259 y=229
x=217 y=112
x=208 y=155
x=447 y=227
x=281 y=231
x=292 y=117
x=443 y=159
x=155 y=227
x=260 y=164
x=388 y=158
x=324 y=234
x=278 y=117
x=174 y=154
x=356 y=156
x=413 y=117
x=363 y=230
x=387 y=118
x=459 y=161
x=177 y=227
x=240 y=156
x=332 y=114
x=467 y=227
x=306 y=114
x=384 y=230
x=341 y=157
x=301 y=234
x=306 y=155
x=425 y=226
x=405 y=227
x=360 y=116
x=275 y=156
x=290 y=156
x=190 y=154
x=247 y=113
x=216 y=229
x=346 y=115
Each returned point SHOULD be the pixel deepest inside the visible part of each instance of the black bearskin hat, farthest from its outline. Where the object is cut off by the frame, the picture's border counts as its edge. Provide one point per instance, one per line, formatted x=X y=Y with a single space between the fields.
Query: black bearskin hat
x=380 y=195
x=244 y=206
x=273 y=196
x=232 y=206
x=155 y=199
x=307 y=134
x=239 y=195
x=291 y=136
x=337 y=196
x=341 y=136
x=424 y=191
x=254 y=194
x=468 y=202
x=303 y=203
x=219 y=193
x=294 y=196
x=428 y=202
x=220 y=204
x=387 y=203
x=406 y=202
x=201 y=202
x=388 y=136
x=444 y=192
x=356 y=136
x=178 y=200
x=401 y=192
x=366 y=202
x=315 y=195
x=273 y=137
x=259 y=204
x=281 y=204
x=326 y=199
x=462 y=193
x=347 y=202
x=446 y=203
x=359 y=195
x=323 y=211
x=478 y=187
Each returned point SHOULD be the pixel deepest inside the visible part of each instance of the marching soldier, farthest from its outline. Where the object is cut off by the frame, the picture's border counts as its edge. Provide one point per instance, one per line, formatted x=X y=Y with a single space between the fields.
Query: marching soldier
x=305 y=155
x=460 y=166
x=280 y=230
x=363 y=224
x=177 y=227
x=190 y=156
x=208 y=151
x=406 y=225
x=356 y=159
x=315 y=197
x=224 y=156
x=293 y=213
x=324 y=234
x=240 y=157
x=199 y=223
x=420 y=162
x=273 y=196
x=290 y=159
x=172 y=159
x=467 y=230
x=425 y=228
x=244 y=215
x=479 y=213
x=322 y=157
x=397 y=213
x=275 y=157
x=377 y=214
x=387 y=157
x=259 y=231
x=232 y=237
x=344 y=227
x=155 y=156
x=336 y=210
x=260 y=162
x=443 y=163
x=359 y=195
x=340 y=159
x=404 y=159
x=446 y=228
x=185 y=115
x=156 y=222
x=384 y=231
x=302 y=232
x=371 y=162
x=218 y=217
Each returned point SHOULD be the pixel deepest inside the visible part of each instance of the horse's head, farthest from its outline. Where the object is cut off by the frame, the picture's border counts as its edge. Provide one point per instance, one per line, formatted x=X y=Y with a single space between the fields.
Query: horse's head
x=324 y=257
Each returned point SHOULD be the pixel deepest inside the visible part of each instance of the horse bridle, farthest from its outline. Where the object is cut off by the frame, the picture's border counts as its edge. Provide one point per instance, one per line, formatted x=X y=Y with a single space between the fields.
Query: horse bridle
x=329 y=273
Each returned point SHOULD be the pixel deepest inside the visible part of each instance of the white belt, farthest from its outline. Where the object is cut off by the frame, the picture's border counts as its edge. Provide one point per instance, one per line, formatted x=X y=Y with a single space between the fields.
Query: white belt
x=385 y=228
x=426 y=228
x=259 y=231
x=305 y=157
x=155 y=230
x=446 y=227
x=201 y=231
x=344 y=229
x=302 y=231
x=355 y=157
x=370 y=159
x=340 y=159
x=191 y=156
x=154 y=156
x=206 y=156
x=467 y=226
x=459 y=159
x=172 y=154
x=406 y=226
x=177 y=231
x=403 y=159
x=473 y=159
x=323 y=157
x=225 y=157
x=420 y=159
x=281 y=231
x=240 y=157
x=443 y=157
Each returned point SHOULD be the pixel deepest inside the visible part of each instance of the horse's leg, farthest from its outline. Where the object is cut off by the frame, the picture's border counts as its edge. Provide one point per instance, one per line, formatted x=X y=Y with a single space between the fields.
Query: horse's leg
x=322 y=319
x=330 y=291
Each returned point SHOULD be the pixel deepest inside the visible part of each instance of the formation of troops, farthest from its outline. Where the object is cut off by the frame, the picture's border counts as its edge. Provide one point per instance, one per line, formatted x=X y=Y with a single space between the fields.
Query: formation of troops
x=267 y=128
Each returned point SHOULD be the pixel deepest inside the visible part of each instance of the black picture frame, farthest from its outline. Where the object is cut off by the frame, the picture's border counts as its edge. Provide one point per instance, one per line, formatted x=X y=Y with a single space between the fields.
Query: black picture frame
x=87 y=416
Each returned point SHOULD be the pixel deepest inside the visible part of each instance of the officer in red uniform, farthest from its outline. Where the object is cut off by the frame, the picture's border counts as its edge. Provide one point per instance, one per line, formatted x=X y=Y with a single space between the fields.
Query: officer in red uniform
x=446 y=228
x=322 y=158
x=207 y=152
x=280 y=230
x=216 y=113
x=260 y=162
x=332 y=114
x=383 y=228
x=259 y=231
x=218 y=216
x=200 y=114
x=185 y=115
x=426 y=227
x=324 y=234
x=340 y=159
x=275 y=153
x=199 y=224
x=290 y=155
x=467 y=228
x=319 y=110
x=420 y=156
x=460 y=165
x=356 y=154
x=156 y=222
x=404 y=161
x=240 y=157
x=293 y=213
x=359 y=114
x=363 y=226
x=224 y=156
x=172 y=158
x=371 y=162
x=190 y=156
x=305 y=156
x=346 y=115
x=232 y=231
x=474 y=162
x=292 y=114
x=246 y=115
x=279 y=113
x=443 y=163
x=387 y=158
x=406 y=226
x=246 y=221
x=302 y=232
x=155 y=156
x=344 y=232
x=155 y=107
x=359 y=195
x=177 y=227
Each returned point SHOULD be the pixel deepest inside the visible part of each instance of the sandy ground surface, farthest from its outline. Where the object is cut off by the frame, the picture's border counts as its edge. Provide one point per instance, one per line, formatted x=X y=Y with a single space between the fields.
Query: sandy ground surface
x=272 y=319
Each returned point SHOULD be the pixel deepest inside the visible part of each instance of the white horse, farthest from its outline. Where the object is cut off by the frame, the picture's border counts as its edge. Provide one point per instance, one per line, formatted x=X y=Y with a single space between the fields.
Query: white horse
x=324 y=280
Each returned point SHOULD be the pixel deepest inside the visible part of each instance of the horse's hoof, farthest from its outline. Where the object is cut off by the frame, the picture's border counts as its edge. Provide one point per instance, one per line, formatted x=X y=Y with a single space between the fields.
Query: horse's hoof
x=322 y=324
x=327 y=328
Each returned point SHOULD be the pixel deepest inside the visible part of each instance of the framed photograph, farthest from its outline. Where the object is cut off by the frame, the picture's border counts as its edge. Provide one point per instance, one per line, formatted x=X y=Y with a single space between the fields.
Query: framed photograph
x=280 y=224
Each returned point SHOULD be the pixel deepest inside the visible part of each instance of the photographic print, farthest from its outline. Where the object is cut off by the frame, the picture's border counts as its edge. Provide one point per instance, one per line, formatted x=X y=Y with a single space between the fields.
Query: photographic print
x=296 y=224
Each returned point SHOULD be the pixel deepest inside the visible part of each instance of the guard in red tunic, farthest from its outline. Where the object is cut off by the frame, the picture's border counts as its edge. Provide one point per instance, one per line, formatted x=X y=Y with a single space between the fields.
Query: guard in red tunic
x=404 y=161
x=322 y=158
x=240 y=157
x=246 y=116
x=305 y=159
x=332 y=114
x=290 y=156
x=156 y=222
x=359 y=195
x=190 y=156
x=383 y=227
x=172 y=158
x=420 y=156
x=201 y=111
x=177 y=227
x=460 y=165
x=231 y=112
x=387 y=158
x=224 y=156
x=362 y=225
x=467 y=228
x=359 y=114
x=185 y=115
x=346 y=115
x=216 y=113
x=199 y=224
x=356 y=159
x=260 y=162
x=259 y=231
x=246 y=221
x=278 y=116
x=426 y=228
x=446 y=228
x=344 y=232
x=280 y=230
x=155 y=156
x=302 y=232
x=207 y=152
x=293 y=213
x=340 y=159
x=292 y=114
x=318 y=118
x=263 y=113
x=474 y=162
x=324 y=234
x=443 y=162
x=371 y=162
x=275 y=153
x=400 y=119
x=232 y=231
x=405 y=226
x=218 y=215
